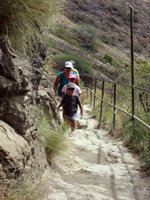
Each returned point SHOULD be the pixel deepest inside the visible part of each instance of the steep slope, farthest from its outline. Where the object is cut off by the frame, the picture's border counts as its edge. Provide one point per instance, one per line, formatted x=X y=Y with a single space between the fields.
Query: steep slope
x=92 y=29
x=112 y=19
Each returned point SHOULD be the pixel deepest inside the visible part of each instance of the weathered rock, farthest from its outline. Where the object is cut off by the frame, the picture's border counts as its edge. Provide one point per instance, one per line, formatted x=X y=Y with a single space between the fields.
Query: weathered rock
x=21 y=153
x=20 y=158
x=48 y=101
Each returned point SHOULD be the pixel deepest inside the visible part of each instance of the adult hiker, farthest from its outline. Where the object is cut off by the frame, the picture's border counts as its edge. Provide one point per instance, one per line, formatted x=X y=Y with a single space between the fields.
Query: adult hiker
x=70 y=103
x=76 y=73
x=77 y=90
x=62 y=79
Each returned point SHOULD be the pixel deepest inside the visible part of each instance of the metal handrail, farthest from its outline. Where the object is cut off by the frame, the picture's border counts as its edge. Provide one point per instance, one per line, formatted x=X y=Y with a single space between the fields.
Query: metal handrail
x=89 y=88
x=114 y=105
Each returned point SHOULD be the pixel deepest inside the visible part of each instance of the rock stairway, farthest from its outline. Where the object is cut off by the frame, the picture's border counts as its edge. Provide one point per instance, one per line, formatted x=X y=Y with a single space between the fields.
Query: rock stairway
x=97 y=167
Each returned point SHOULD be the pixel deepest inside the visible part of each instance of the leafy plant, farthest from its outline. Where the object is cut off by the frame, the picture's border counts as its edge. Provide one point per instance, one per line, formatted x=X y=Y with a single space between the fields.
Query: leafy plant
x=108 y=58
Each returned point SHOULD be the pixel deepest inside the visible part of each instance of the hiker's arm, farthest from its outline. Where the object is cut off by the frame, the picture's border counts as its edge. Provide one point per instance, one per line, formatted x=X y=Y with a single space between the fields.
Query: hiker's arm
x=81 y=109
x=77 y=81
x=79 y=96
x=57 y=81
x=60 y=105
x=62 y=94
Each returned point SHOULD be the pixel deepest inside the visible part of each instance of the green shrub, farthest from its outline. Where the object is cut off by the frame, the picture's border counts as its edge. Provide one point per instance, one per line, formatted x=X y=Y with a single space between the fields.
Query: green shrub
x=86 y=36
x=112 y=7
x=105 y=39
x=97 y=69
x=82 y=5
x=115 y=20
x=143 y=42
x=64 y=34
x=77 y=17
x=135 y=19
x=81 y=65
x=98 y=57
x=138 y=48
x=108 y=58
x=108 y=39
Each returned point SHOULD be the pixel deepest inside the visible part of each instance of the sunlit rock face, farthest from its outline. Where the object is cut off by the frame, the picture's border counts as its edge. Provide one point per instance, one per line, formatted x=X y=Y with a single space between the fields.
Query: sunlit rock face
x=21 y=153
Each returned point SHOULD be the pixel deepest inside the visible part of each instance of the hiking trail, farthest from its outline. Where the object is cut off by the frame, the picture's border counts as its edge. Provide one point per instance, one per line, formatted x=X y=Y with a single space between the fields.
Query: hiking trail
x=97 y=167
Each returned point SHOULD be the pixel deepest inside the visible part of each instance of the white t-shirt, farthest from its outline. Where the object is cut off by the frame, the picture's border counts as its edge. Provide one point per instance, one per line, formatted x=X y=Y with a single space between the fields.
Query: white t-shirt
x=77 y=89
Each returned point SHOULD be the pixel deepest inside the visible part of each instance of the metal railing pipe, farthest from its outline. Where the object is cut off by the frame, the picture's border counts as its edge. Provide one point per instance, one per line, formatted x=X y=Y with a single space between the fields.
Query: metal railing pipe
x=132 y=64
x=91 y=89
x=114 y=118
x=102 y=102
x=87 y=86
x=94 y=94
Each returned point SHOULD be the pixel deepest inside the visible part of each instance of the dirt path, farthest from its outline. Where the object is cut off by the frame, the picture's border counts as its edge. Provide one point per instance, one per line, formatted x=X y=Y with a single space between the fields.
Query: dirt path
x=97 y=167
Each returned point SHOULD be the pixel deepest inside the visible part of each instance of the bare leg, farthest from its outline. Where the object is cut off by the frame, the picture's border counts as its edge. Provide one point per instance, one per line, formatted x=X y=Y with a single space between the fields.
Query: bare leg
x=64 y=114
x=73 y=125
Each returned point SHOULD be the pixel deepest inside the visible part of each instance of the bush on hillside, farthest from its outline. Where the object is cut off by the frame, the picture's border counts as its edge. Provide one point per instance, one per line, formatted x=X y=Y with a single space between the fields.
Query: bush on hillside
x=77 y=17
x=108 y=39
x=108 y=58
x=86 y=36
x=64 y=33
x=81 y=65
x=138 y=48
x=81 y=5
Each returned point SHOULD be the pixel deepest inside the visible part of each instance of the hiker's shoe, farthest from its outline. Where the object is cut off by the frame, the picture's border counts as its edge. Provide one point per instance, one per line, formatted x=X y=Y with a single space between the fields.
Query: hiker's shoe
x=71 y=135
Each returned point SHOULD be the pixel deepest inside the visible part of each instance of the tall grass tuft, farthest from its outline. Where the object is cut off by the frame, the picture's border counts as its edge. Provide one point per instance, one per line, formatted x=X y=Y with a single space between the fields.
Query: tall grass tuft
x=53 y=139
x=137 y=137
x=24 y=20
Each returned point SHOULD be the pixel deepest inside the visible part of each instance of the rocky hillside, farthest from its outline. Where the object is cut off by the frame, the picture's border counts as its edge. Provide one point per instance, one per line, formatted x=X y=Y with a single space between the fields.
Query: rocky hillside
x=92 y=29
x=23 y=84
x=112 y=21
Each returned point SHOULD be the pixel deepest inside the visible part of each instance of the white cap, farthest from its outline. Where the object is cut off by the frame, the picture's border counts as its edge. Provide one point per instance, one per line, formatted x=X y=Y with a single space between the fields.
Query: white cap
x=68 y=64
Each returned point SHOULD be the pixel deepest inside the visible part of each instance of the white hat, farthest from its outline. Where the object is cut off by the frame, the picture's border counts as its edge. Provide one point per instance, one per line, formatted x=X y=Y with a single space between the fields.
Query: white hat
x=70 y=85
x=68 y=64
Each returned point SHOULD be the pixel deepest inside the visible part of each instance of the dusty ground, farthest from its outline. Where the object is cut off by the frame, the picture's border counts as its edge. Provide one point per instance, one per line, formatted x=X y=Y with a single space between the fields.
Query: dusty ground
x=97 y=167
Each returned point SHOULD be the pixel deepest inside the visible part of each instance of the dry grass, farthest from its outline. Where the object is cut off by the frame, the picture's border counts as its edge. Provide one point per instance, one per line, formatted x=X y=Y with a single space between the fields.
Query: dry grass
x=24 y=20
x=12 y=191
x=54 y=140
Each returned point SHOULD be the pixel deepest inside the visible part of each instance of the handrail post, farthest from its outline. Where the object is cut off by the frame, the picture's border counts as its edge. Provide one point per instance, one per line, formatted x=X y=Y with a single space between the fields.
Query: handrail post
x=132 y=65
x=91 y=90
x=101 y=103
x=94 y=93
x=87 y=86
x=114 y=118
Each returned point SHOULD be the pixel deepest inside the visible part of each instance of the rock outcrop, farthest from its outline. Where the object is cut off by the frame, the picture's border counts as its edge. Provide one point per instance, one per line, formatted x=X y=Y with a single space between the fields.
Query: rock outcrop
x=21 y=153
